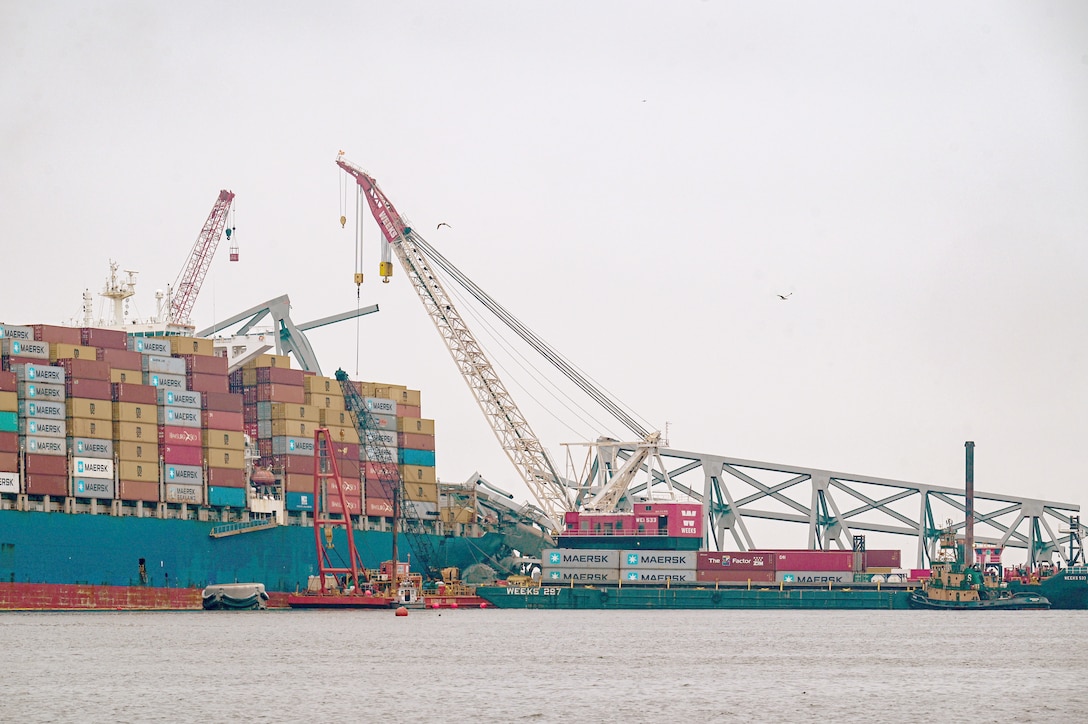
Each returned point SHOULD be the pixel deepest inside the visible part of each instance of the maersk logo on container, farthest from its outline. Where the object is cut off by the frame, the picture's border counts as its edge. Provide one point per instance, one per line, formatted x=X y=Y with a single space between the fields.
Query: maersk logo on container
x=85 y=446
x=383 y=406
x=182 y=416
x=183 y=398
x=94 y=486
x=84 y=467
x=183 y=472
x=43 y=446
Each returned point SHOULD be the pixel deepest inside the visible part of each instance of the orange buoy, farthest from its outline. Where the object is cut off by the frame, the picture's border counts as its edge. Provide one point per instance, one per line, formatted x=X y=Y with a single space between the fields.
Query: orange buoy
x=453 y=604
x=402 y=611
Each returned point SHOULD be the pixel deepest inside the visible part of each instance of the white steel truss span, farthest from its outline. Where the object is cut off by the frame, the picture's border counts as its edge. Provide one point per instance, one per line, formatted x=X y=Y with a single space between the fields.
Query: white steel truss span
x=834 y=506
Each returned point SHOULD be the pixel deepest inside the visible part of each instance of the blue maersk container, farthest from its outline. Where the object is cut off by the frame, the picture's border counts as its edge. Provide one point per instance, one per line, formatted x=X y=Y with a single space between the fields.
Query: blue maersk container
x=232 y=497
x=407 y=456
x=299 y=501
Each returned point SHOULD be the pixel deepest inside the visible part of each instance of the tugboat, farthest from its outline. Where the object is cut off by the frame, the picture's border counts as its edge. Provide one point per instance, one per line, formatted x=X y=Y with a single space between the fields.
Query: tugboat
x=955 y=585
x=955 y=581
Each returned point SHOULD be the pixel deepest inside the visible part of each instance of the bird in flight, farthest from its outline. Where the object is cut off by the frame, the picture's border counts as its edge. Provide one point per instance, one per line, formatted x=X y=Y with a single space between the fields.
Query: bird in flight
x=443 y=224
x=785 y=296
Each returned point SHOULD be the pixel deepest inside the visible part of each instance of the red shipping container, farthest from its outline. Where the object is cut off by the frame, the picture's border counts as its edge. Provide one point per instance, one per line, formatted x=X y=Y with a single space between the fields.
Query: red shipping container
x=139 y=394
x=85 y=369
x=264 y=447
x=47 y=465
x=883 y=559
x=219 y=420
x=226 y=477
x=376 y=489
x=108 y=338
x=250 y=428
x=348 y=468
x=9 y=442
x=9 y=462
x=8 y=382
x=51 y=333
x=814 y=561
x=409 y=410
x=42 y=484
x=354 y=504
x=346 y=450
x=186 y=436
x=352 y=488
x=90 y=389
x=917 y=574
x=732 y=575
x=121 y=359
x=280 y=393
x=415 y=441
x=204 y=365
x=249 y=414
x=208 y=383
x=379 y=507
x=249 y=396
x=182 y=455
x=736 y=561
x=224 y=402
x=296 y=483
x=147 y=491
x=373 y=471
x=281 y=376
x=300 y=464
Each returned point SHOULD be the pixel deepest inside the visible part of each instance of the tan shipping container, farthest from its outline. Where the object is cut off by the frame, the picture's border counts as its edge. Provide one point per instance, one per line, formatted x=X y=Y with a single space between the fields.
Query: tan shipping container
x=135 y=412
x=337 y=418
x=89 y=427
x=136 y=432
x=59 y=350
x=90 y=409
x=138 y=452
x=132 y=377
x=130 y=470
x=324 y=386
x=421 y=492
x=343 y=434
x=269 y=360
x=325 y=401
x=192 y=345
x=218 y=458
x=418 y=425
x=291 y=411
x=417 y=474
x=464 y=516
x=292 y=428
x=9 y=401
x=224 y=440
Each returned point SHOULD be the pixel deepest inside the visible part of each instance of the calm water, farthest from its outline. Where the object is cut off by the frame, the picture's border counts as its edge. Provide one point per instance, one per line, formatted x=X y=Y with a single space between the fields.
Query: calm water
x=543 y=666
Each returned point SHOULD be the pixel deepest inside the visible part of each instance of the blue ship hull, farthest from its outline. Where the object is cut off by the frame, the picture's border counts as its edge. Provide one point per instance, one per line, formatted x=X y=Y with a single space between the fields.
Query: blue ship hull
x=61 y=548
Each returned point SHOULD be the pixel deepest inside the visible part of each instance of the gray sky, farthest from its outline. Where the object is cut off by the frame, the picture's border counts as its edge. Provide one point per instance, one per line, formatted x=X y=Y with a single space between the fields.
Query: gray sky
x=635 y=180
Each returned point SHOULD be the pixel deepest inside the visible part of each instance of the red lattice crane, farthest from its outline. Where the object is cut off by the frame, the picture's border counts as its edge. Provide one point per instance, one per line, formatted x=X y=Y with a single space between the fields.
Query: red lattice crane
x=187 y=287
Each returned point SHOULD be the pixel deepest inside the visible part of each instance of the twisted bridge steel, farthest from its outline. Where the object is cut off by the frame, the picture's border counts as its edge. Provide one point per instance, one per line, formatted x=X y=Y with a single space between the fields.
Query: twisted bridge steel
x=834 y=506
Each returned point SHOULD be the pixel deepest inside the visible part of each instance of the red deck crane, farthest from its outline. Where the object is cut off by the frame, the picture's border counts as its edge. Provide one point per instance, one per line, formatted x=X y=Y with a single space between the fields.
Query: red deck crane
x=187 y=286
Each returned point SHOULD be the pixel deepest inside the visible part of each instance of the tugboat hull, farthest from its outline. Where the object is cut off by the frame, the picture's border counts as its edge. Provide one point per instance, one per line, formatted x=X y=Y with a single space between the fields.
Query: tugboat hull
x=1016 y=602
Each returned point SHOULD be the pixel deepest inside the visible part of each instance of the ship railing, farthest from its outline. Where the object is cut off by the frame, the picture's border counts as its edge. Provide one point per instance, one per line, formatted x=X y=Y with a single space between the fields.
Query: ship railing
x=617 y=534
x=241 y=526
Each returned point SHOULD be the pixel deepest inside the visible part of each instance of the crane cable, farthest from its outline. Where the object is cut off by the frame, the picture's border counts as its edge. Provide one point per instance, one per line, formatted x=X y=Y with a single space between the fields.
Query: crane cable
x=358 y=268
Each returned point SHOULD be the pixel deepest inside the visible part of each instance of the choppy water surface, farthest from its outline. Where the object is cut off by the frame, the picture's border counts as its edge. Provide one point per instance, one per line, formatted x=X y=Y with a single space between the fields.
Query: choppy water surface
x=493 y=665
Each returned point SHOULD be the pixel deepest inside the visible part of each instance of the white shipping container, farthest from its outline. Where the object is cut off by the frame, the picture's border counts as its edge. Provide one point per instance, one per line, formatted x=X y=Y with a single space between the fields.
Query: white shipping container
x=659 y=560
x=93 y=488
x=92 y=468
x=817 y=577
x=579 y=575
x=178 y=398
x=21 y=348
x=147 y=345
x=35 y=391
x=191 y=474
x=163 y=365
x=576 y=558
x=376 y=454
x=42 y=408
x=45 y=446
x=382 y=438
x=176 y=493
x=11 y=331
x=42 y=427
x=89 y=447
x=661 y=575
x=164 y=381
x=381 y=406
x=287 y=445
x=39 y=373
x=9 y=482
x=179 y=416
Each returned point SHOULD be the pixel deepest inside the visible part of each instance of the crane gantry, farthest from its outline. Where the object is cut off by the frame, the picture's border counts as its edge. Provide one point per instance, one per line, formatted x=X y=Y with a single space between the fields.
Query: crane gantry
x=516 y=437
x=187 y=287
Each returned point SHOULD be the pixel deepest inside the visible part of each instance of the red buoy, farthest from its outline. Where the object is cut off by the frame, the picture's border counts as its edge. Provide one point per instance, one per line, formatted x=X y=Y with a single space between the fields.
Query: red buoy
x=402 y=611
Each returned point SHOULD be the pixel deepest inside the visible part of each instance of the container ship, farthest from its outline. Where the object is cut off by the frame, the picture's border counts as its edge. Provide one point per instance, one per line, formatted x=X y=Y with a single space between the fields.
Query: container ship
x=135 y=470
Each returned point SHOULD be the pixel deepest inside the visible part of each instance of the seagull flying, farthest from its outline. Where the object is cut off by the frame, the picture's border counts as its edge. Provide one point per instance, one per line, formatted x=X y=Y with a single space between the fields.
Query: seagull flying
x=785 y=296
x=443 y=224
